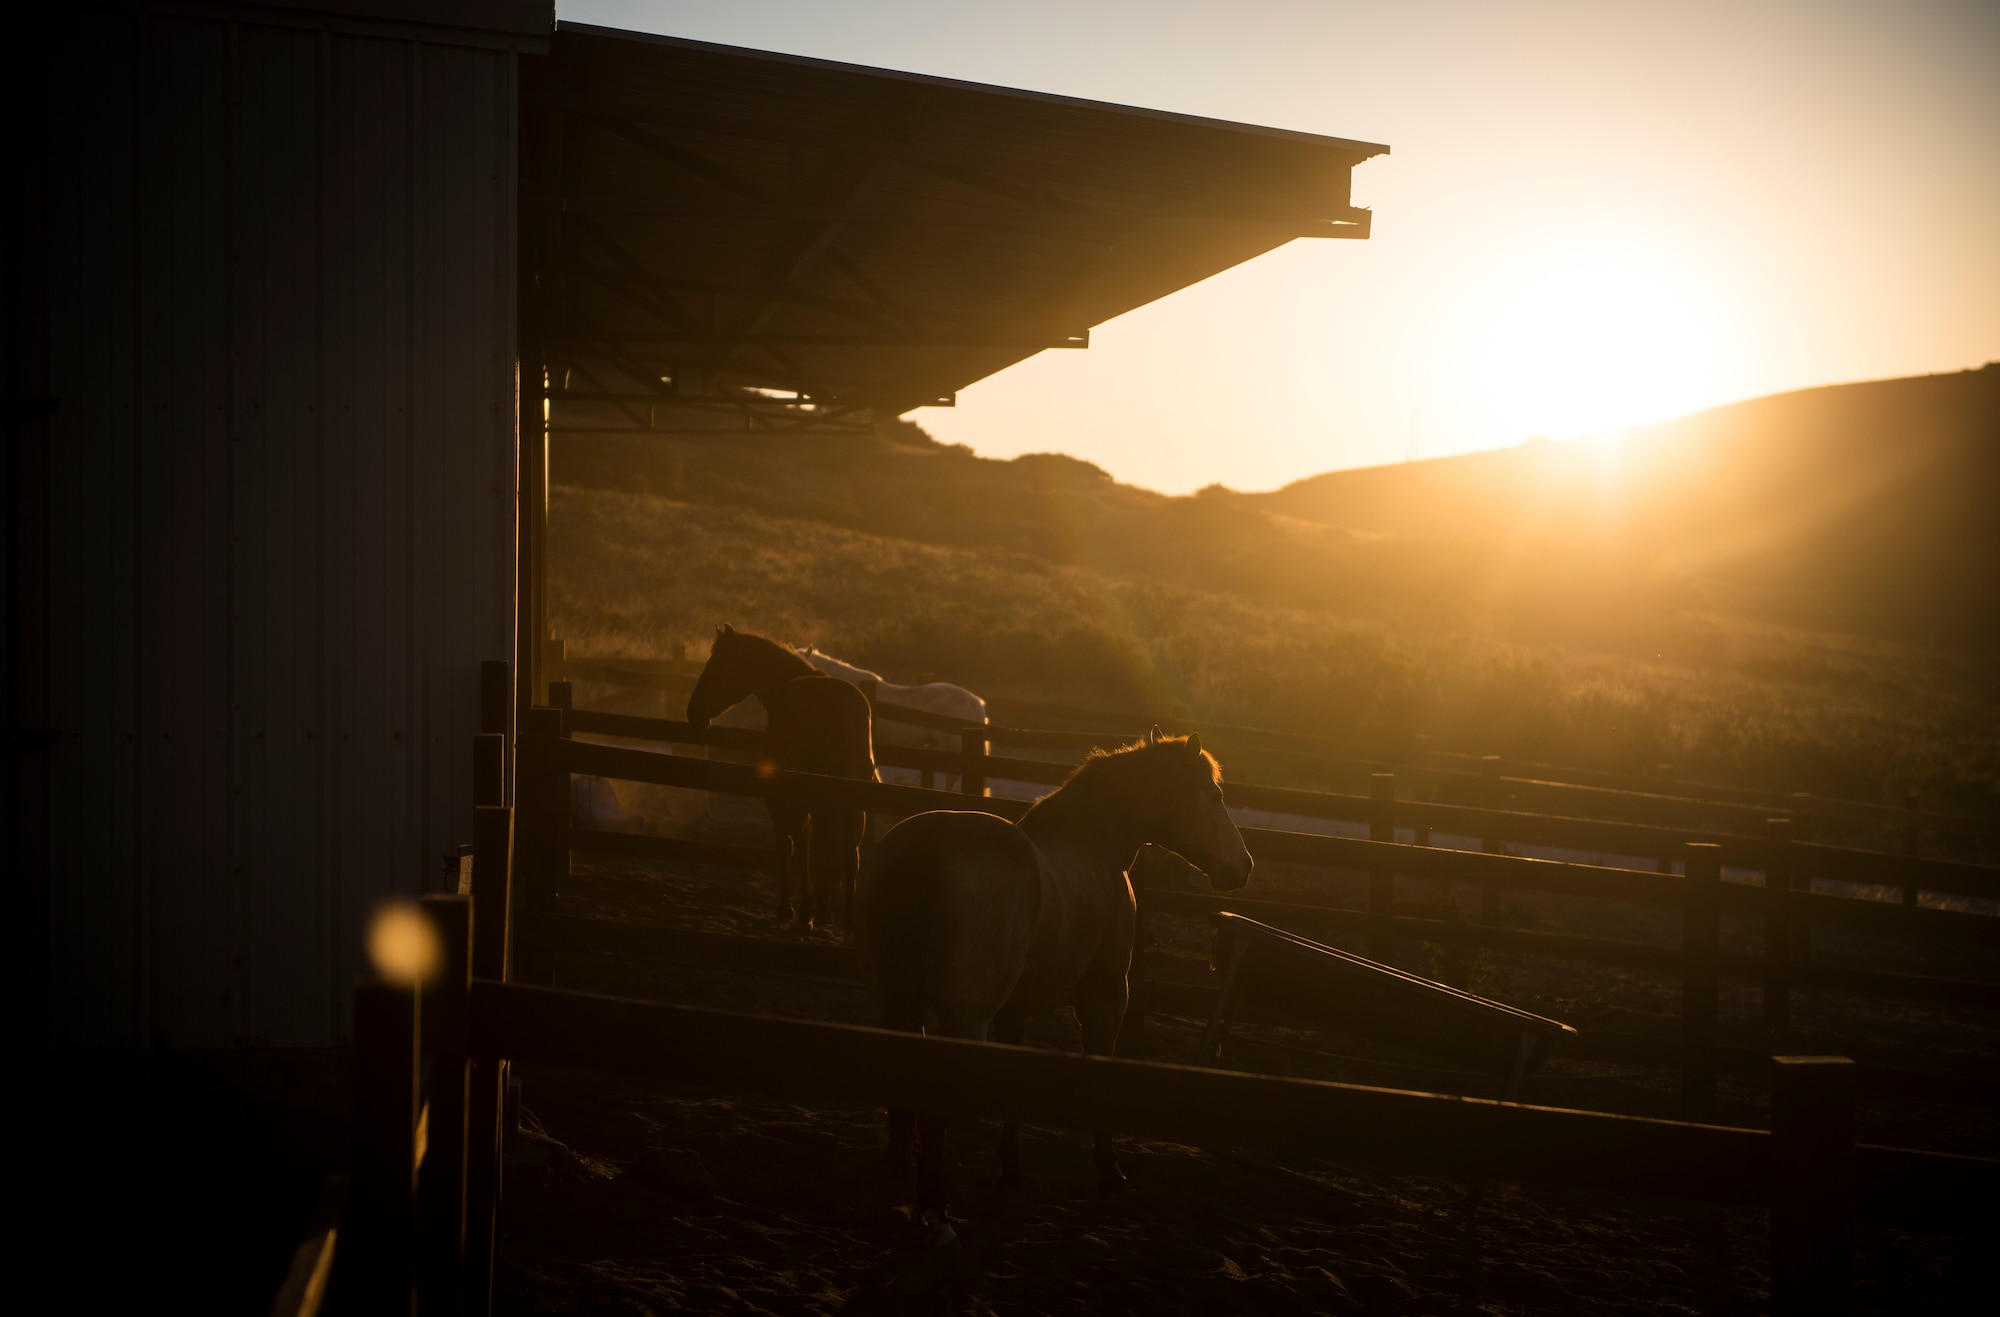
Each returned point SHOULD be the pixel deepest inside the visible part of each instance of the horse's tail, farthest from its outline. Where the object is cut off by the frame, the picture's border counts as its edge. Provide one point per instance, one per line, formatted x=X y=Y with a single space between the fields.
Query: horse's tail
x=896 y=918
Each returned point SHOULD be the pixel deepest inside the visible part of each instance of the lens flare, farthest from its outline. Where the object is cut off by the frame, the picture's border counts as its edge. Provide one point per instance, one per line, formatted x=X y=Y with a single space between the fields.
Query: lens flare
x=402 y=945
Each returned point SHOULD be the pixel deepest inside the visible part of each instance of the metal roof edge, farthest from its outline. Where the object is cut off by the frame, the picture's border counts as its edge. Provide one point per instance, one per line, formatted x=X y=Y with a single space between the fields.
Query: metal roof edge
x=1364 y=150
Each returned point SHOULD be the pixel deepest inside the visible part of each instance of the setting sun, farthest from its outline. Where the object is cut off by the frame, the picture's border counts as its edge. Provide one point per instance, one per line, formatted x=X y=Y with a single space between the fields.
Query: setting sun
x=1600 y=339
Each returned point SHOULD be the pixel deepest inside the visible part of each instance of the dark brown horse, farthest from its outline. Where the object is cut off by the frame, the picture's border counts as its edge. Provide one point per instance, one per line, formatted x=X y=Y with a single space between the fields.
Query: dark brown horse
x=816 y=724
x=970 y=923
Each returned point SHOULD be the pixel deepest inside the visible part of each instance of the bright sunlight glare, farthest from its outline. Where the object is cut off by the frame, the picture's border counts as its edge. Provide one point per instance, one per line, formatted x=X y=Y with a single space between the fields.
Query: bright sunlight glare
x=1594 y=341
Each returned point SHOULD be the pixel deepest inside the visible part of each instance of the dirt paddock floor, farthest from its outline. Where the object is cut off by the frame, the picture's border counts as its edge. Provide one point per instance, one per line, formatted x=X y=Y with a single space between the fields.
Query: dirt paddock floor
x=633 y=1197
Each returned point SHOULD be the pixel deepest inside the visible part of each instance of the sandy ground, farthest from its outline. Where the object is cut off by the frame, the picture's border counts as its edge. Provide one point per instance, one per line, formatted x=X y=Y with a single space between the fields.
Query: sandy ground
x=630 y=1197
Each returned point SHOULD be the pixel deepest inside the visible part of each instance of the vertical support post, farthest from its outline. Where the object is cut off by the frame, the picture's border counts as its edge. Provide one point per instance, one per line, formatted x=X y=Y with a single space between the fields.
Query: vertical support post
x=387 y=1068
x=544 y=841
x=542 y=320
x=562 y=695
x=492 y=868
x=1381 y=882
x=441 y=1181
x=496 y=696
x=1701 y=936
x=1778 y=940
x=490 y=776
x=1812 y=1197
x=973 y=744
x=489 y=769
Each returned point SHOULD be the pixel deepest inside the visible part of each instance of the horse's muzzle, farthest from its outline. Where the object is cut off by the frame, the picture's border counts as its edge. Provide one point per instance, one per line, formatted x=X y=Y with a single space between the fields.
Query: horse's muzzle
x=1234 y=878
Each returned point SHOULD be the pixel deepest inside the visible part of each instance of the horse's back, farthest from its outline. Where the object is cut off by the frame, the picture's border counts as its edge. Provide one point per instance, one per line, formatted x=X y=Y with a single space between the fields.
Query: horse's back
x=944 y=915
x=822 y=725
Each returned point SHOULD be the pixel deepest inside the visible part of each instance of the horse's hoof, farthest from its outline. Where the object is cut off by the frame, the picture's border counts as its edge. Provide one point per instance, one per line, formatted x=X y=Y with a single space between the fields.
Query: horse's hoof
x=937 y=1231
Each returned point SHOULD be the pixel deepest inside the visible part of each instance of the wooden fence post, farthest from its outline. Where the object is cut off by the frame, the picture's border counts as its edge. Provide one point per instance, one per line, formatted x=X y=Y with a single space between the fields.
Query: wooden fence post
x=973 y=779
x=496 y=696
x=1701 y=936
x=1381 y=882
x=1778 y=939
x=489 y=768
x=1812 y=1197
x=444 y=1003
x=1911 y=840
x=1489 y=796
x=562 y=695
x=542 y=790
x=379 y=1274
x=492 y=865
x=490 y=775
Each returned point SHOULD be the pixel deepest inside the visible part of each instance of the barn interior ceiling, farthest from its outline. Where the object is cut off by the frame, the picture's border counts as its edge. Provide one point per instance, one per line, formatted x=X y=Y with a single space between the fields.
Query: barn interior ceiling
x=718 y=239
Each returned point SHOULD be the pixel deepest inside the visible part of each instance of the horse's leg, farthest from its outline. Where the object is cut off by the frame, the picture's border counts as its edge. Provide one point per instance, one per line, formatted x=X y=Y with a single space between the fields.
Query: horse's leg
x=1100 y=1010
x=784 y=828
x=931 y=1129
x=904 y=1011
x=902 y=1136
x=848 y=866
x=802 y=846
x=1010 y=1027
x=930 y=1177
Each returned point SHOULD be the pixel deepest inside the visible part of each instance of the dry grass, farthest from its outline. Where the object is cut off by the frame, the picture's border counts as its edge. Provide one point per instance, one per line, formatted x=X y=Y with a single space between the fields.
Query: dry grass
x=1720 y=698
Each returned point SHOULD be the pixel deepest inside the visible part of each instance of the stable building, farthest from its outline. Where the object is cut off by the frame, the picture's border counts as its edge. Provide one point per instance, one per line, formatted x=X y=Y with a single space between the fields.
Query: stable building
x=296 y=293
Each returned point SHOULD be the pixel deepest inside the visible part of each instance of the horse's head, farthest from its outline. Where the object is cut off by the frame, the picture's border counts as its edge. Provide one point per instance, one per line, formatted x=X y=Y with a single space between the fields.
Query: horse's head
x=1192 y=821
x=725 y=679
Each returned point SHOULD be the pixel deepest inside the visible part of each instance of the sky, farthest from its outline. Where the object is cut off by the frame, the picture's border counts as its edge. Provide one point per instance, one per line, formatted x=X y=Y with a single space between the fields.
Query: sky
x=1594 y=215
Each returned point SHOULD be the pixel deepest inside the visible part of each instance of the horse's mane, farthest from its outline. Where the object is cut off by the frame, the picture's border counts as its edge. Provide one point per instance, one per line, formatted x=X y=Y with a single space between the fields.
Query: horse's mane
x=764 y=648
x=1094 y=774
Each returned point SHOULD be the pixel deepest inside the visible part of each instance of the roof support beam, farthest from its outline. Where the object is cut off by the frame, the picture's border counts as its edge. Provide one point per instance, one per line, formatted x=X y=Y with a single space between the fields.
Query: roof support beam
x=1093 y=226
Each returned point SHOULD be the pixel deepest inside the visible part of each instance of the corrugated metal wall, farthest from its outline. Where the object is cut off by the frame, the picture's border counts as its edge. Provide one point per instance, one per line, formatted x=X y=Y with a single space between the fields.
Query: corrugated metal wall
x=282 y=499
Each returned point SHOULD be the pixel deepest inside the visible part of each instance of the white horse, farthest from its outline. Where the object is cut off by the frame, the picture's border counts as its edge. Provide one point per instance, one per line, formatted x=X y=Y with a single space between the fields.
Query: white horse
x=939 y=697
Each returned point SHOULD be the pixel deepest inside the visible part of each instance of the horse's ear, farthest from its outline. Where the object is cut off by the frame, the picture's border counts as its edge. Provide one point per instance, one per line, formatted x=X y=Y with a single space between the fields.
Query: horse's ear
x=1153 y=737
x=1194 y=744
x=724 y=630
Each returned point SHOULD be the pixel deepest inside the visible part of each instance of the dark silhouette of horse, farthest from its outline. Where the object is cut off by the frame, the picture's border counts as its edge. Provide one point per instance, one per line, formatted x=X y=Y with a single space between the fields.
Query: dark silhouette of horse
x=973 y=922
x=815 y=724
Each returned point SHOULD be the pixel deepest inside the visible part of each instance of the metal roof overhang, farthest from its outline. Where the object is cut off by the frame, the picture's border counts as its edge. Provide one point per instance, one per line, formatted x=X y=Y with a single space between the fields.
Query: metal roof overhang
x=718 y=239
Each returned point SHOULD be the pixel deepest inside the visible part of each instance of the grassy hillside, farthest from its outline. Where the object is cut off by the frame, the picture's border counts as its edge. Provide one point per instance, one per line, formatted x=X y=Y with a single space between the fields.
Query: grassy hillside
x=1869 y=506
x=1799 y=591
x=1863 y=507
x=634 y=574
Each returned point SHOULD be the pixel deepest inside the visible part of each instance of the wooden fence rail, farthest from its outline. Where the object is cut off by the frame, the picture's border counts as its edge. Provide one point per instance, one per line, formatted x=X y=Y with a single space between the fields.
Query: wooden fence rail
x=666 y=945
x=1803 y=861
x=1657 y=800
x=1796 y=908
x=431 y=1064
x=1807 y=1170
x=1776 y=906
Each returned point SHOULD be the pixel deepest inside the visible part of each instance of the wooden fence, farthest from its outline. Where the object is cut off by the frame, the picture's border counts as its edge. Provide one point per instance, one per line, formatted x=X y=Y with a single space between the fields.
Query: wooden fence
x=1788 y=914
x=1773 y=850
x=417 y=1212
x=431 y=1062
x=1660 y=801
